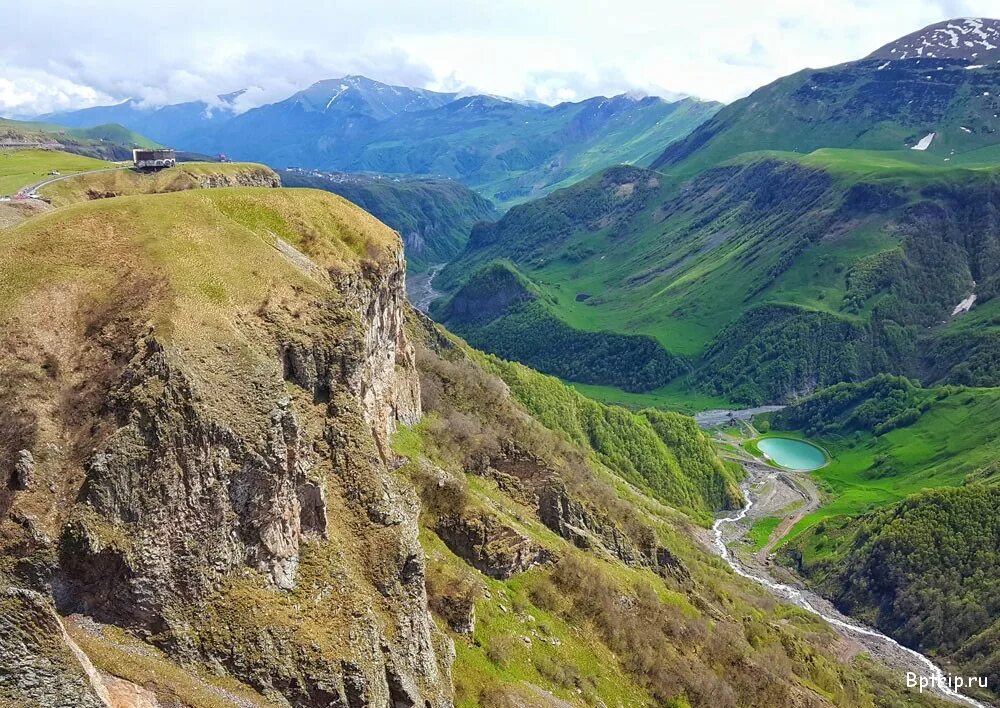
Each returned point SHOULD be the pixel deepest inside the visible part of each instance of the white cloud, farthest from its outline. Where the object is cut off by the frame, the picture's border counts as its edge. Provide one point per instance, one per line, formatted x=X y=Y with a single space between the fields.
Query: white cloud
x=64 y=54
x=41 y=92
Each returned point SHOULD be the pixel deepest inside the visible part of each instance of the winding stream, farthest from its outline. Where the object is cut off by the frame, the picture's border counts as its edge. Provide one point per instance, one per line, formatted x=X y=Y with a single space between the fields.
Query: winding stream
x=811 y=602
x=420 y=288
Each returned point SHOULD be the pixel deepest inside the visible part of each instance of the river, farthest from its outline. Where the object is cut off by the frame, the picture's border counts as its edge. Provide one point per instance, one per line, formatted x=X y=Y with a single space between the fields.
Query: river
x=420 y=288
x=880 y=645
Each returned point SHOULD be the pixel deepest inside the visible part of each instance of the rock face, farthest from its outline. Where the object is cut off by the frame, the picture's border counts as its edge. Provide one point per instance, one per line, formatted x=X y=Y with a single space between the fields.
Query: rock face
x=486 y=544
x=41 y=666
x=251 y=176
x=238 y=504
x=24 y=470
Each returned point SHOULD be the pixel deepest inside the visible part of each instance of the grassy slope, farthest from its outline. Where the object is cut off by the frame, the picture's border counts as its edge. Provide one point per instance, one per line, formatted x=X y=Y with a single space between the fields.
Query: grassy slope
x=433 y=215
x=500 y=311
x=683 y=277
x=853 y=105
x=560 y=628
x=113 y=240
x=19 y=168
x=703 y=292
x=954 y=438
x=110 y=132
x=664 y=454
x=187 y=175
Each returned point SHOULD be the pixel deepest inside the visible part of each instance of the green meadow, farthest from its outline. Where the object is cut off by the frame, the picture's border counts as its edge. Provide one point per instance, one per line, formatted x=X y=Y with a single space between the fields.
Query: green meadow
x=19 y=168
x=954 y=440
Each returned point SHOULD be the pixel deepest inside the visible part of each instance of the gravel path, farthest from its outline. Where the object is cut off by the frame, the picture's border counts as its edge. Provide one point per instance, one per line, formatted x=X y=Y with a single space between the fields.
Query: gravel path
x=722 y=416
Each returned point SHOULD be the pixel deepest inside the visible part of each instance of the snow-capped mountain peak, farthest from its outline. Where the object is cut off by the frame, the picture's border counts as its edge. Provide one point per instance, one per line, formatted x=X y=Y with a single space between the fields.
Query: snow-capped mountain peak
x=972 y=39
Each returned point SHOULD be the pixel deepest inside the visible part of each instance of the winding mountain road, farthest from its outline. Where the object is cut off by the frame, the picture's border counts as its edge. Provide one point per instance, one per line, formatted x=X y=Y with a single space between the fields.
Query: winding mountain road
x=30 y=191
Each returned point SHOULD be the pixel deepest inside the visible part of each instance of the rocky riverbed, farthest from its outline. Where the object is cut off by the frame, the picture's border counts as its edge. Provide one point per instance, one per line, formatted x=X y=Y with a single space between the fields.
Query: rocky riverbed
x=773 y=492
x=420 y=288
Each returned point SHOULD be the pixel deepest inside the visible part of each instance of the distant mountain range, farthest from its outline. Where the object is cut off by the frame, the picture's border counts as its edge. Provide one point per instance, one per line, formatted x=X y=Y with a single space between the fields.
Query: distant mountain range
x=509 y=151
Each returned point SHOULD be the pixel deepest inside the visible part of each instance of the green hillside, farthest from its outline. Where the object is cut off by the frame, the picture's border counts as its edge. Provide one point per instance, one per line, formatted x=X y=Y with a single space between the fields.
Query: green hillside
x=869 y=104
x=108 y=141
x=773 y=273
x=434 y=216
x=889 y=438
x=649 y=627
x=181 y=177
x=921 y=570
x=21 y=168
x=906 y=538
x=498 y=310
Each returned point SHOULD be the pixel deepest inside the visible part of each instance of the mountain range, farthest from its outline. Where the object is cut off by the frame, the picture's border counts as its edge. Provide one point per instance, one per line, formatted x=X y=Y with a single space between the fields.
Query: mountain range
x=242 y=470
x=936 y=106
x=507 y=150
x=767 y=250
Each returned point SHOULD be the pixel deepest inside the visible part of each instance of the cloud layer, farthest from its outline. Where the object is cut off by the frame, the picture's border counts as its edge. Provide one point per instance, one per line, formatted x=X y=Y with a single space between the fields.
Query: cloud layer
x=67 y=55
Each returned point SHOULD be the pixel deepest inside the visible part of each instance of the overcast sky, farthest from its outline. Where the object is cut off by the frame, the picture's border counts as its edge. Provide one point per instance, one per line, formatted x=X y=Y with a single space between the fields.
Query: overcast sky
x=57 y=55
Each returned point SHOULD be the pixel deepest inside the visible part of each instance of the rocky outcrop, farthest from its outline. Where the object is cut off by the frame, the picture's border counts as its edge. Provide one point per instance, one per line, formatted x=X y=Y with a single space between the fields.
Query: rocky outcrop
x=24 y=470
x=459 y=611
x=238 y=504
x=535 y=483
x=488 y=545
x=170 y=474
x=248 y=176
x=109 y=184
x=41 y=666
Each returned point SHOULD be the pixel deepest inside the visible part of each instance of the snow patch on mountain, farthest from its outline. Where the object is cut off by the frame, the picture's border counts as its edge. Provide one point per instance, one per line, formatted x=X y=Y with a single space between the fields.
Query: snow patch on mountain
x=968 y=38
x=925 y=142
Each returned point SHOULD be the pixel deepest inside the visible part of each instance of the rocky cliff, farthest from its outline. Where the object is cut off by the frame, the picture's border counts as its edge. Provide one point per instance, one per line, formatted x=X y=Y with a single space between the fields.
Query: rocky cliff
x=208 y=446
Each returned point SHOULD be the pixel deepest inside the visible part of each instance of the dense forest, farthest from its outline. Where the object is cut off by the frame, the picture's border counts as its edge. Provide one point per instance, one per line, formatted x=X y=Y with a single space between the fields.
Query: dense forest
x=878 y=405
x=923 y=570
x=662 y=452
x=776 y=350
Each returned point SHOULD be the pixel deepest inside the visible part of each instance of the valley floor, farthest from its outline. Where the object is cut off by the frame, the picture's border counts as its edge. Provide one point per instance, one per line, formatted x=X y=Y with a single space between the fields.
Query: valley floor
x=420 y=288
x=788 y=496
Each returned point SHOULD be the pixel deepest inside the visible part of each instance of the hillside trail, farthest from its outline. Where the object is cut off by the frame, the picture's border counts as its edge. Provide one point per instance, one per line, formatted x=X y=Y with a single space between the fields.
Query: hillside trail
x=792 y=495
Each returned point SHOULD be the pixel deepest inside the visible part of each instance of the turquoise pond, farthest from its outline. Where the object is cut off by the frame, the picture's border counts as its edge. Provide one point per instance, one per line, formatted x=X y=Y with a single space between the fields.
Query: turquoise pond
x=792 y=454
